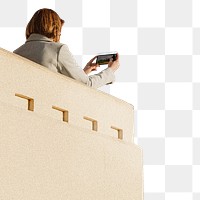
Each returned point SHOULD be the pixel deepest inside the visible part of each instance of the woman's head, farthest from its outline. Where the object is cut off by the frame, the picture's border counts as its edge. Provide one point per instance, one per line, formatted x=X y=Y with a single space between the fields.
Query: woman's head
x=45 y=22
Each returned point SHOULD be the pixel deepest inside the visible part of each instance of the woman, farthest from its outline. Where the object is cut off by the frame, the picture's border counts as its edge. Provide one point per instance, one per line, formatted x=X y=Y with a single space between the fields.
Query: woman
x=42 y=46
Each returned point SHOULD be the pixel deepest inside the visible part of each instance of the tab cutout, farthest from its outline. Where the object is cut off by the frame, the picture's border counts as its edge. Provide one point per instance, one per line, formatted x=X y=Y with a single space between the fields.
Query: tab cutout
x=65 y=113
x=30 y=101
x=119 y=131
x=94 y=123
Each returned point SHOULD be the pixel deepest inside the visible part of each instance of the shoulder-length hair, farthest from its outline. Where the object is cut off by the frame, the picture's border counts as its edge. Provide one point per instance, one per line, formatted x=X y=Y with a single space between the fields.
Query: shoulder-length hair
x=45 y=22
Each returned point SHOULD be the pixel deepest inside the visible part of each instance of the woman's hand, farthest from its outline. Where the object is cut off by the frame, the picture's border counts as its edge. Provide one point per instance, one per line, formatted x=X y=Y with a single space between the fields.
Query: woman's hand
x=114 y=65
x=91 y=66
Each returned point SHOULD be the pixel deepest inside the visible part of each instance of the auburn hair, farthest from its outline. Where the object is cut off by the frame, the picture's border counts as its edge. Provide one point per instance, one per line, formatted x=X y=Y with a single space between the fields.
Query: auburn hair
x=45 y=22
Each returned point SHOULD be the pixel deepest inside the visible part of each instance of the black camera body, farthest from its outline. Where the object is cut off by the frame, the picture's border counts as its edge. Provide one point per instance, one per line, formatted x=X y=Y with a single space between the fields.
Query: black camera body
x=104 y=58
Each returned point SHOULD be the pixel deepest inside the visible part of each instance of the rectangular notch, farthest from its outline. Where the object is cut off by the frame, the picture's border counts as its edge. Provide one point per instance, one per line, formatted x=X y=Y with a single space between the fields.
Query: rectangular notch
x=29 y=99
x=119 y=131
x=65 y=114
x=94 y=123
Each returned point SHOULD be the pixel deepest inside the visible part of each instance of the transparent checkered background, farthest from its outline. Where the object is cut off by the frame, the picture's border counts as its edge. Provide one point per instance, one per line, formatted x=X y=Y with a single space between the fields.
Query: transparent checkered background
x=159 y=45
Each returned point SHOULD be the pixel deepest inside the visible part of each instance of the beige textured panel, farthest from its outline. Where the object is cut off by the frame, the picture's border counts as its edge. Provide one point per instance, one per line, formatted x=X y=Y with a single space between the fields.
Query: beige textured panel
x=46 y=159
x=48 y=89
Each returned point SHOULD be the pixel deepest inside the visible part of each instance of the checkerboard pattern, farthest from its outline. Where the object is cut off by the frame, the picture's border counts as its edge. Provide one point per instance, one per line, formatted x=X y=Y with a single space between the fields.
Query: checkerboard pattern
x=159 y=46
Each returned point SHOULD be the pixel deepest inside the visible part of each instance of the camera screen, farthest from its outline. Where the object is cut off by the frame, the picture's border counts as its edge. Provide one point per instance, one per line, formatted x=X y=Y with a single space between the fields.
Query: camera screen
x=104 y=59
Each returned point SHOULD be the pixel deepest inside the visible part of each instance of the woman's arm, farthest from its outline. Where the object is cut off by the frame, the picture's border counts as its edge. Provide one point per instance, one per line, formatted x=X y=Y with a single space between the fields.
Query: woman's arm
x=68 y=66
